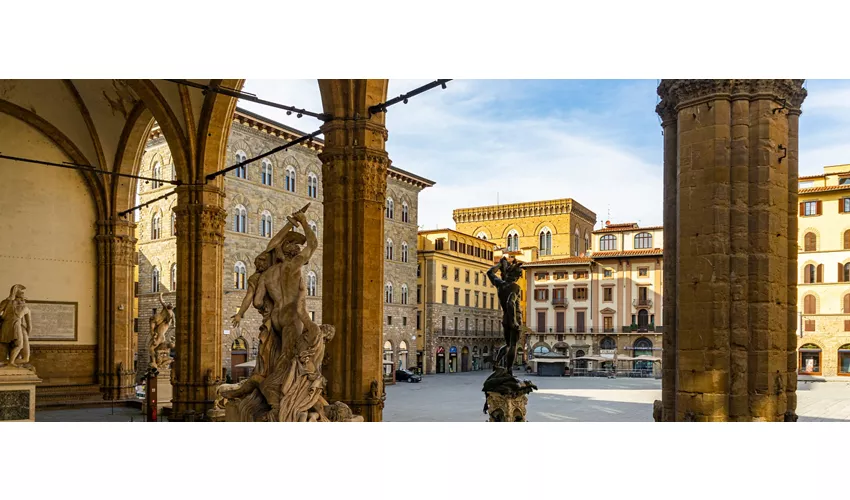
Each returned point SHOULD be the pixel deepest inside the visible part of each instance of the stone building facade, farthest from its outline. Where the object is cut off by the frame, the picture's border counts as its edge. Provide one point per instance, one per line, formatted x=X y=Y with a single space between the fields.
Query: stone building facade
x=823 y=331
x=602 y=305
x=556 y=227
x=459 y=317
x=259 y=197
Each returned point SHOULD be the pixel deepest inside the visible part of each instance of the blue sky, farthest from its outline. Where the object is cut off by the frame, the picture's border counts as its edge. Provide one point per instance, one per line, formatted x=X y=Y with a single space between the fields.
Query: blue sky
x=597 y=141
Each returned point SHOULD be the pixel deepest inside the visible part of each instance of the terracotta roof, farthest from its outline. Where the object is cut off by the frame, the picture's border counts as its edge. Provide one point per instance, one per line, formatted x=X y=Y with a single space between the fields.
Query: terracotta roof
x=624 y=224
x=628 y=253
x=558 y=262
x=616 y=228
x=816 y=176
x=447 y=230
x=821 y=189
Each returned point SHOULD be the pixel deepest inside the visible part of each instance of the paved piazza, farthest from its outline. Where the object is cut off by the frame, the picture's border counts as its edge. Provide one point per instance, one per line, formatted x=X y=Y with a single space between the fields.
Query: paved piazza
x=458 y=398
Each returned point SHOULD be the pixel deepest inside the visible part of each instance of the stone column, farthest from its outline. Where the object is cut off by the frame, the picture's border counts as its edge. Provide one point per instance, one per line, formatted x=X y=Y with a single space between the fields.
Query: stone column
x=116 y=258
x=354 y=169
x=730 y=273
x=200 y=267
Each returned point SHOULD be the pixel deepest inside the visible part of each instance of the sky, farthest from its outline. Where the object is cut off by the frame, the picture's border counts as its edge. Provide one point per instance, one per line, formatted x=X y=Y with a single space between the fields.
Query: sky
x=596 y=141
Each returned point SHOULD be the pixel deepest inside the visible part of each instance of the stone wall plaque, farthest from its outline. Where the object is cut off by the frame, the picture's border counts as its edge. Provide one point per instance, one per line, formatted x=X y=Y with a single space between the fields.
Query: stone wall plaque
x=54 y=321
x=14 y=405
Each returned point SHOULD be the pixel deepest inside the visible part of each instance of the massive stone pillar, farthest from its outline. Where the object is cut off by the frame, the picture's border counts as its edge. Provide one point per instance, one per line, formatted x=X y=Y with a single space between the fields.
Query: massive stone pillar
x=354 y=166
x=730 y=173
x=200 y=266
x=116 y=255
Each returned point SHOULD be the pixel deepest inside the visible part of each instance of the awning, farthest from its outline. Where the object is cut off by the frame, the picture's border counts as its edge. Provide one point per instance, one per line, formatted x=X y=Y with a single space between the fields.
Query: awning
x=647 y=358
x=247 y=364
x=594 y=358
x=551 y=360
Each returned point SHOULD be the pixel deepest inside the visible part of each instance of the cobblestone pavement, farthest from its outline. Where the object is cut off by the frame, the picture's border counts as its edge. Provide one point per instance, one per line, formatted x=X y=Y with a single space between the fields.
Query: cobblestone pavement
x=458 y=398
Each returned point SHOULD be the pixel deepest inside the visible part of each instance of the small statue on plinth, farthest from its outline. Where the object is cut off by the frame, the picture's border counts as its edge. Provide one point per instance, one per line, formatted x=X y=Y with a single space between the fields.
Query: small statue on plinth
x=507 y=395
x=15 y=328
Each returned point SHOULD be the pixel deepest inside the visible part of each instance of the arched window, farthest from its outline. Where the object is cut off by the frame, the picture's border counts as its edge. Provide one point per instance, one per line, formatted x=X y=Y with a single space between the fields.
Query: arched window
x=643 y=240
x=809 y=304
x=643 y=347
x=239 y=271
x=314 y=227
x=388 y=358
x=404 y=212
x=607 y=343
x=173 y=277
x=156 y=173
x=575 y=243
x=240 y=219
x=267 y=172
x=404 y=294
x=312 y=284
x=513 y=241
x=813 y=274
x=482 y=235
x=290 y=179
x=810 y=242
x=241 y=172
x=389 y=249
x=173 y=223
x=545 y=242
x=608 y=243
x=312 y=185
x=388 y=293
x=390 y=208
x=540 y=350
x=156 y=227
x=155 y=279
x=586 y=242
x=810 y=359
x=266 y=224
x=404 y=251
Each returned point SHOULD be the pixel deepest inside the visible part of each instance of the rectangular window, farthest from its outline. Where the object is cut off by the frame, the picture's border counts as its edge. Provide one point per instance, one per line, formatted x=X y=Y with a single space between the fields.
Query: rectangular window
x=466 y=325
x=467 y=276
x=439 y=244
x=136 y=325
x=580 y=275
x=809 y=208
x=608 y=324
x=608 y=294
x=457 y=274
x=491 y=301
x=443 y=324
x=455 y=324
x=466 y=293
x=476 y=326
x=418 y=294
x=559 y=322
x=847 y=325
x=389 y=320
x=312 y=315
x=476 y=299
x=445 y=272
x=445 y=296
x=643 y=271
x=418 y=320
x=844 y=204
x=541 y=276
x=457 y=296
x=580 y=293
x=404 y=321
x=608 y=273
x=541 y=295
x=453 y=245
x=477 y=276
x=541 y=321
x=559 y=276
x=810 y=325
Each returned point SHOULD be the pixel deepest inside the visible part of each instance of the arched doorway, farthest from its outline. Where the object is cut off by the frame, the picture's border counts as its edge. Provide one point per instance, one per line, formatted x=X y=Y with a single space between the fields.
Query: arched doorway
x=402 y=355
x=452 y=359
x=844 y=360
x=441 y=360
x=464 y=359
x=238 y=355
x=580 y=364
x=810 y=359
x=476 y=360
x=486 y=361
x=643 y=347
x=388 y=359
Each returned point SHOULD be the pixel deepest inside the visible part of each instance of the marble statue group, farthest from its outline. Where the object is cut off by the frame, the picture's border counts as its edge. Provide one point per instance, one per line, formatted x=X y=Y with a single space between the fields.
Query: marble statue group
x=15 y=328
x=286 y=384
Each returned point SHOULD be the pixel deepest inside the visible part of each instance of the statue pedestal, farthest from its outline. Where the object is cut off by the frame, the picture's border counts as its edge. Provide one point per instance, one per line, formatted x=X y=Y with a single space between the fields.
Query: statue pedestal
x=17 y=394
x=506 y=408
x=164 y=389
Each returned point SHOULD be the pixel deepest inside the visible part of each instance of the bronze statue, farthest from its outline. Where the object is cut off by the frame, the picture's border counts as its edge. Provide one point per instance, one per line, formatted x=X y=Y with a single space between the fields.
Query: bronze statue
x=509 y=296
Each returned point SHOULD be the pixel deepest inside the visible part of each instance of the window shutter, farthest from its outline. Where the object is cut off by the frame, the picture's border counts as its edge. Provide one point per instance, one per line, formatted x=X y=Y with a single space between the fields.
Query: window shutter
x=802 y=208
x=820 y=207
x=840 y=273
x=841 y=206
x=847 y=304
x=574 y=293
x=819 y=274
x=846 y=240
x=847 y=325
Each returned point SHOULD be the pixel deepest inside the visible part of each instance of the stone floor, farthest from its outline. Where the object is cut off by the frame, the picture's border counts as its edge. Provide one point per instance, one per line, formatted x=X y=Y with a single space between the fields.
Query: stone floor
x=458 y=398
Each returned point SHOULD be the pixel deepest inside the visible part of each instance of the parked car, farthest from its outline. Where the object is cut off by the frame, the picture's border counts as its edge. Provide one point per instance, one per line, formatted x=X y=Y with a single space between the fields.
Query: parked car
x=409 y=376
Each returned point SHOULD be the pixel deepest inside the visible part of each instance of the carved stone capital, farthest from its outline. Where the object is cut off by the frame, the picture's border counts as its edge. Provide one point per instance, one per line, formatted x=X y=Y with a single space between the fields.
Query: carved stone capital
x=115 y=242
x=209 y=221
x=676 y=94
